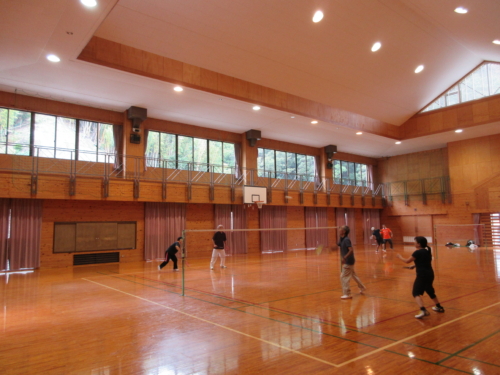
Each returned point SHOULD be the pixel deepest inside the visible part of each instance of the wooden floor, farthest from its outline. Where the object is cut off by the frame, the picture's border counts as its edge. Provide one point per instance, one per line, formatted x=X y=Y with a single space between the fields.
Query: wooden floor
x=270 y=314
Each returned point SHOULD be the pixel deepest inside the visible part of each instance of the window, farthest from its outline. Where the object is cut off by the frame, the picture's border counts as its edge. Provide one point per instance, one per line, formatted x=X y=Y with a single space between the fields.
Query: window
x=285 y=164
x=349 y=173
x=178 y=151
x=29 y=133
x=480 y=83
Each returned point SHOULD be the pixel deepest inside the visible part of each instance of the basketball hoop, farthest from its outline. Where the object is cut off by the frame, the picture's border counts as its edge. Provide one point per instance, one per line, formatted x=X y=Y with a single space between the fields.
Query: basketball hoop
x=259 y=204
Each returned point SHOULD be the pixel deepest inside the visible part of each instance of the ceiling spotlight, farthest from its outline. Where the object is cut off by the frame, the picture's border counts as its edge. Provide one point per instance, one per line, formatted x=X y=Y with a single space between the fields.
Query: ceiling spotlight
x=461 y=10
x=178 y=89
x=458 y=131
x=376 y=47
x=256 y=108
x=359 y=133
x=496 y=41
x=419 y=69
x=53 y=58
x=292 y=116
x=314 y=122
x=89 y=3
x=398 y=142
x=318 y=16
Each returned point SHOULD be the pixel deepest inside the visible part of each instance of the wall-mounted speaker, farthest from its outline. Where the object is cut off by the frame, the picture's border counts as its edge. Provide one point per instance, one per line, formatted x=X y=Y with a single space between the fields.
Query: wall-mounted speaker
x=135 y=138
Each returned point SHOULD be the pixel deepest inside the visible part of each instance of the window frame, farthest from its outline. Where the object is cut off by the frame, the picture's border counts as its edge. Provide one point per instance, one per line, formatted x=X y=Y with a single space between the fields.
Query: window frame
x=264 y=172
x=349 y=165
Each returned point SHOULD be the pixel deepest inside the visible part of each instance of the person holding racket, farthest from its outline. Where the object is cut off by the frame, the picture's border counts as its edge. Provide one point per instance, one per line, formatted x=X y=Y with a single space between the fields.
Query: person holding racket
x=347 y=254
x=170 y=254
x=422 y=257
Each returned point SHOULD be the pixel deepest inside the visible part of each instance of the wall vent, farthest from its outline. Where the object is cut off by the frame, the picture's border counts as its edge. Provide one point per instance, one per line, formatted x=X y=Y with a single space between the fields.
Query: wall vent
x=96 y=258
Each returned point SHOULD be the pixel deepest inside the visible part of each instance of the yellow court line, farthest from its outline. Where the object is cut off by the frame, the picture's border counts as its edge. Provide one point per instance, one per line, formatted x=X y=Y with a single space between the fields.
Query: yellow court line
x=218 y=325
x=418 y=334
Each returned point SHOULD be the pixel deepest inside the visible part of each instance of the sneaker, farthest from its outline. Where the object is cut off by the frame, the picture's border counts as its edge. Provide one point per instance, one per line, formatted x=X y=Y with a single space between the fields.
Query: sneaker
x=223 y=266
x=176 y=271
x=421 y=314
x=345 y=296
x=159 y=268
x=211 y=268
x=362 y=290
x=438 y=309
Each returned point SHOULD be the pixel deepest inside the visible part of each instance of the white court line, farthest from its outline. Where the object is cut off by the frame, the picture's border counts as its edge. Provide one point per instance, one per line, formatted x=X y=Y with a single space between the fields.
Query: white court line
x=218 y=325
x=418 y=334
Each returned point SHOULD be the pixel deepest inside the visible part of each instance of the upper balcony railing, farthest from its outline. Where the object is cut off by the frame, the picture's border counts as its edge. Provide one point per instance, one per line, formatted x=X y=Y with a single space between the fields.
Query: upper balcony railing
x=40 y=161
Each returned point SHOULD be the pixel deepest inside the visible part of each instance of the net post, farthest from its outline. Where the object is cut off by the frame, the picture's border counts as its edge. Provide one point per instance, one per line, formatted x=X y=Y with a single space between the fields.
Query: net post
x=183 y=259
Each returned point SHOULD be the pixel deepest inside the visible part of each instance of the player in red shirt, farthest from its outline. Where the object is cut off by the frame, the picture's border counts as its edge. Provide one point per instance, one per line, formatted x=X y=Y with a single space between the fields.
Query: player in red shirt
x=386 y=236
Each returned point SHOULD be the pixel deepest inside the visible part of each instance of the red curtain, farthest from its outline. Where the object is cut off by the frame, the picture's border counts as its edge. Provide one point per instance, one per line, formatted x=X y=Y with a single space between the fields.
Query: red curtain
x=164 y=223
x=316 y=217
x=25 y=232
x=239 y=239
x=351 y=223
x=273 y=217
x=223 y=217
x=4 y=232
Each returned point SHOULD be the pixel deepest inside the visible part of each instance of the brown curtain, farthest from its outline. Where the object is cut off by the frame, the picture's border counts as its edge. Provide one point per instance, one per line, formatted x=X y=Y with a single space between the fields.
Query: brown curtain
x=239 y=239
x=118 y=139
x=340 y=216
x=163 y=223
x=351 y=223
x=4 y=232
x=371 y=218
x=145 y=143
x=316 y=217
x=478 y=229
x=273 y=217
x=25 y=231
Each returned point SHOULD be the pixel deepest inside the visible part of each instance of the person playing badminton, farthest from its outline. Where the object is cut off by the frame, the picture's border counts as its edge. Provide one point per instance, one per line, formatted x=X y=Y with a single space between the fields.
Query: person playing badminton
x=219 y=240
x=387 y=236
x=170 y=254
x=425 y=276
x=347 y=254
x=377 y=237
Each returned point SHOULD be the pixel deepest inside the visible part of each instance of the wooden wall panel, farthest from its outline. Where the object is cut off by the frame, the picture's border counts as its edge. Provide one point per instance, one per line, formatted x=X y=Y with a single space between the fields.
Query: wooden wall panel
x=78 y=211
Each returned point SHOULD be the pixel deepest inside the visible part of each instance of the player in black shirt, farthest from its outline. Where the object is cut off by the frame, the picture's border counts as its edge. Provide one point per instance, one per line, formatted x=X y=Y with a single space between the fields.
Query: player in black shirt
x=378 y=237
x=219 y=240
x=170 y=254
x=425 y=276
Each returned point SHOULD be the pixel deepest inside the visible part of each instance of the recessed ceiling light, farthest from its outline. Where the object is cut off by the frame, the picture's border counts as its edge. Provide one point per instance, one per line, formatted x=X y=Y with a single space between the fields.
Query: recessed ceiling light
x=314 y=122
x=292 y=116
x=256 y=108
x=458 y=131
x=419 y=69
x=318 y=16
x=359 y=133
x=89 y=3
x=178 y=89
x=461 y=10
x=496 y=41
x=376 y=46
x=53 y=58
x=398 y=142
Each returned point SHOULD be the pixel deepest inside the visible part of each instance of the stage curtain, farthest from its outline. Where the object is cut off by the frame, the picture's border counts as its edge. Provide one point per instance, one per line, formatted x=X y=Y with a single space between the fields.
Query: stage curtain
x=164 y=223
x=273 y=217
x=25 y=232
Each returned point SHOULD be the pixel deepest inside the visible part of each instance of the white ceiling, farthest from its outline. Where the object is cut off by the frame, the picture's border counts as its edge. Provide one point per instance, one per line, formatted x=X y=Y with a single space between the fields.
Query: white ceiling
x=271 y=43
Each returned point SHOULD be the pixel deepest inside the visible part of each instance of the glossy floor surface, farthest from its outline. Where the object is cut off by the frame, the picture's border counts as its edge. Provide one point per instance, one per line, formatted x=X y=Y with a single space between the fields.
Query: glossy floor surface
x=269 y=314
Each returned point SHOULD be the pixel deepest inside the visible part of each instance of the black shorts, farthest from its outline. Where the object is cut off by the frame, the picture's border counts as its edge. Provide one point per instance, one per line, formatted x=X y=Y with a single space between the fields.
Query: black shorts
x=379 y=241
x=423 y=283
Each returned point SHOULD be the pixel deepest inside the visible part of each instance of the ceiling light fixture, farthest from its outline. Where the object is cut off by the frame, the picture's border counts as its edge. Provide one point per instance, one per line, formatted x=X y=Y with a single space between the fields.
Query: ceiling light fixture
x=496 y=41
x=359 y=133
x=53 y=58
x=292 y=116
x=318 y=16
x=376 y=46
x=178 y=89
x=314 y=122
x=419 y=69
x=89 y=3
x=256 y=108
x=398 y=142
x=461 y=10
x=458 y=131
